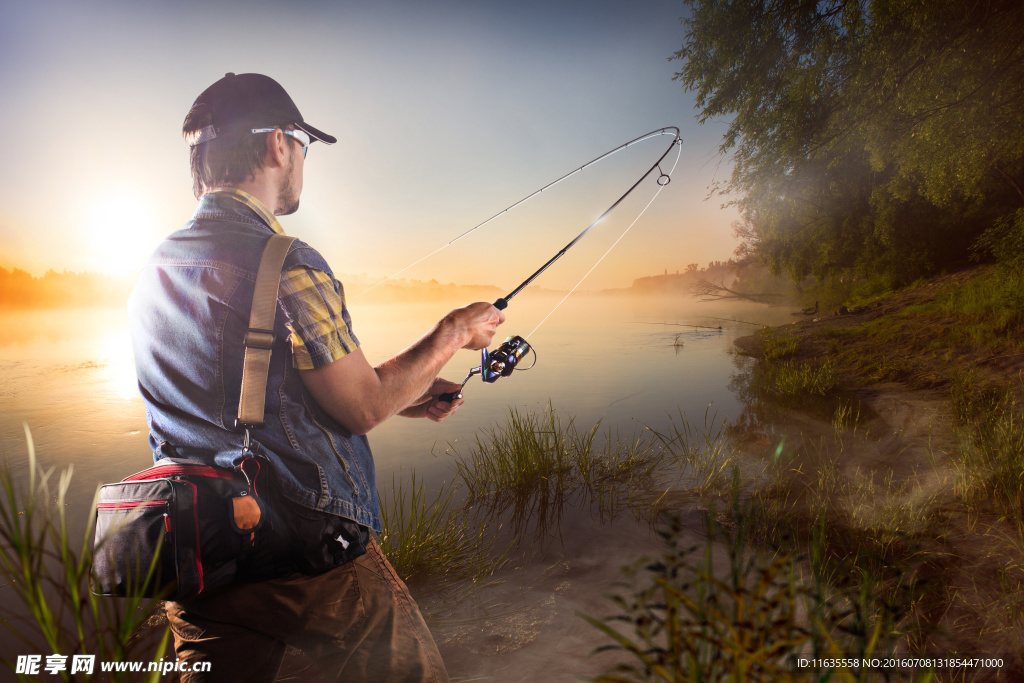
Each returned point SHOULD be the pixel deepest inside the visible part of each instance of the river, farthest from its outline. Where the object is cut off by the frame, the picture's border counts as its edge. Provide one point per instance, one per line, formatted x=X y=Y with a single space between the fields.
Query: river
x=69 y=376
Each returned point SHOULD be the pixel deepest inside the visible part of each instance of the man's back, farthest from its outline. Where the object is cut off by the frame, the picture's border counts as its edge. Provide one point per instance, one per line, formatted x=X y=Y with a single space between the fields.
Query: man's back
x=189 y=316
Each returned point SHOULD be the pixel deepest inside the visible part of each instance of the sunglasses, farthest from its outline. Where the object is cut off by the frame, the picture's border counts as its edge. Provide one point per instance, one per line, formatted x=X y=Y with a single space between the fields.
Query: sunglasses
x=300 y=135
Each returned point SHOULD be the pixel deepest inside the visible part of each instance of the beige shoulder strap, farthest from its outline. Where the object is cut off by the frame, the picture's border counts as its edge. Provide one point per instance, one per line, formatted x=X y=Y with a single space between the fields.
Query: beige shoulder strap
x=260 y=337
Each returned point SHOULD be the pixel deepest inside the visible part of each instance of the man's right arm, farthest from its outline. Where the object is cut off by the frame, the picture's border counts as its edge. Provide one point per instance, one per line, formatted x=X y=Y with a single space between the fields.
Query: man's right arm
x=360 y=396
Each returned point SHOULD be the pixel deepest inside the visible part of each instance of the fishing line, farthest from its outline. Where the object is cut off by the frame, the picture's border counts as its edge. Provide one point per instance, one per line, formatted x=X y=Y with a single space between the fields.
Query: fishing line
x=661 y=186
x=509 y=354
x=668 y=130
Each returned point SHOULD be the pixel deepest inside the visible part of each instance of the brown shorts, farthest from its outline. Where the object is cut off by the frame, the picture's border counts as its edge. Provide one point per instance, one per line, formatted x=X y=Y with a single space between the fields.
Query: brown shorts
x=356 y=623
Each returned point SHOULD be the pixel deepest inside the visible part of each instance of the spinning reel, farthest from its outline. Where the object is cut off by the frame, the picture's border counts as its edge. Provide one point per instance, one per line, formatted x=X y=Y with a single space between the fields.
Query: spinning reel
x=499 y=363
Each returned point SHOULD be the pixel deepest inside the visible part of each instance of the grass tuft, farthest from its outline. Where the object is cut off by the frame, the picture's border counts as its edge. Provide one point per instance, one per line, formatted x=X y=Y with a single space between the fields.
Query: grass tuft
x=990 y=462
x=776 y=344
x=705 y=453
x=791 y=380
x=689 y=616
x=48 y=577
x=538 y=462
x=432 y=537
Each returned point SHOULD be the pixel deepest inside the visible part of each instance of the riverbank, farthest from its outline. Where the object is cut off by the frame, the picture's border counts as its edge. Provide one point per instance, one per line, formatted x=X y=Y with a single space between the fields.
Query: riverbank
x=866 y=457
x=893 y=427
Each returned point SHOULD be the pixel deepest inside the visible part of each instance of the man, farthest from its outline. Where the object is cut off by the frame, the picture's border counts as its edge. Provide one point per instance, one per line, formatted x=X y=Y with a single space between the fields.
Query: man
x=189 y=315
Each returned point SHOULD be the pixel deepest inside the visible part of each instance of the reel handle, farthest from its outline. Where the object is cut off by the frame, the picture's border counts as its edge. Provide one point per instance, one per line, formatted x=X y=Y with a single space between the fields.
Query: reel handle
x=450 y=396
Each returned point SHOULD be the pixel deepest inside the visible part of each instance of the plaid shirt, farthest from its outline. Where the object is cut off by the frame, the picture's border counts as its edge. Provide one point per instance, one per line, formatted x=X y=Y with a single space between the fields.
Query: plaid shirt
x=321 y=328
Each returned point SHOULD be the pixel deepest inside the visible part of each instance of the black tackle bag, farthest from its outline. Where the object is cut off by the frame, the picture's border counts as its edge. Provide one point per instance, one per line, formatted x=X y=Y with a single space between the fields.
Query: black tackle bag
x=178 y=529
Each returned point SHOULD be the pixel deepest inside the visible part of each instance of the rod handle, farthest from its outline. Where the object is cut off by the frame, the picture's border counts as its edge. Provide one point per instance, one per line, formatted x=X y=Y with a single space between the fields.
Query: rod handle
x=450 y=396
x=501 y=304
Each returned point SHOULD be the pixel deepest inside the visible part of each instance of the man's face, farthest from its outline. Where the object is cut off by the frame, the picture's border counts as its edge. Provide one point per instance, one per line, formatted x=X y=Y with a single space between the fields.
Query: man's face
x=291 y=187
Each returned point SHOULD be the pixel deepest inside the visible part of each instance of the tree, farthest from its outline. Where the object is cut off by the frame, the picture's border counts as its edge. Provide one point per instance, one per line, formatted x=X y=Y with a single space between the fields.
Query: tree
x=881 y=137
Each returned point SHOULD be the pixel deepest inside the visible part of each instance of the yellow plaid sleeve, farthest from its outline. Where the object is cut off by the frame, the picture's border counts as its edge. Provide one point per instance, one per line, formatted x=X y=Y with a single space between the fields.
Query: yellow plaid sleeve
x=321 y=329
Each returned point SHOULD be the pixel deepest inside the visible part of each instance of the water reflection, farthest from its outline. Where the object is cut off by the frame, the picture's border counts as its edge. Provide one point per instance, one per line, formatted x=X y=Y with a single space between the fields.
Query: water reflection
x=768 y=411
x=69 y=376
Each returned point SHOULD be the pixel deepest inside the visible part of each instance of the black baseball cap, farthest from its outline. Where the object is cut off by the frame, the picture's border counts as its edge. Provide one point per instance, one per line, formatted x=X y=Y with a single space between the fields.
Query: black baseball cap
x=238 y=103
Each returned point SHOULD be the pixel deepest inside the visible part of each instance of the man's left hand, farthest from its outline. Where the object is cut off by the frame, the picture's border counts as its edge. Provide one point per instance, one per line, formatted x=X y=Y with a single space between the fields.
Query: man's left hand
x=430 y=407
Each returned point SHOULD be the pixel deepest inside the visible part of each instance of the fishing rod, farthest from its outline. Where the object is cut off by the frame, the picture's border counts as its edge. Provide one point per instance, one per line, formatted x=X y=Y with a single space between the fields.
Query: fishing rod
x=506 y=358
x=654 y=133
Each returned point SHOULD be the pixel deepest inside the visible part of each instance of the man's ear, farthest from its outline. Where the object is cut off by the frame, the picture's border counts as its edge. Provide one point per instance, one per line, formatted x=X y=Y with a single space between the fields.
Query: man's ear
x=276 y=153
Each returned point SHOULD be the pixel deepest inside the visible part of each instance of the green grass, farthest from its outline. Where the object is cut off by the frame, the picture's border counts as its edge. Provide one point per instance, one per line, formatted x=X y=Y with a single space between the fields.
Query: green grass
x=792 y=381
x=944 y=543
x=705 y=453
x=519 y=478
x=433 y=538
x=777 y=344
x=538 y=460
x=529 y=455
x=864 y=558
x=515 y=482
x=925 y=344
x=47 y=577
x=989 y=308
x=933 y=556
x=688 y=616
x=990 y=462
x=846 y=416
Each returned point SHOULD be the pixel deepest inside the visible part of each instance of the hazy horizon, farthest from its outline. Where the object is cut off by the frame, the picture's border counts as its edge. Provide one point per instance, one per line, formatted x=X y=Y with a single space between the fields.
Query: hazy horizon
x=445 y=113
x=84 y=288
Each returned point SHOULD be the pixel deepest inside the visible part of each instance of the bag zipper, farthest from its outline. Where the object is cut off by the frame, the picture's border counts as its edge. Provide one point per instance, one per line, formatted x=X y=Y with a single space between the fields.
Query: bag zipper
x=132 y=504
x=161 y=471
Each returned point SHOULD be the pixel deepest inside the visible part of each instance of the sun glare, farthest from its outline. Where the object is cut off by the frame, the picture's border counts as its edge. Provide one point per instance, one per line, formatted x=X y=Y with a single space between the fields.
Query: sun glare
x=118 y=362
x=121 y=232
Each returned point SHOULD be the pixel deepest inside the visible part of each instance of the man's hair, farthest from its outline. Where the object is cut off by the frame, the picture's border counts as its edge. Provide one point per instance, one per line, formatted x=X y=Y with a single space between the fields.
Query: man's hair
x=223 y=160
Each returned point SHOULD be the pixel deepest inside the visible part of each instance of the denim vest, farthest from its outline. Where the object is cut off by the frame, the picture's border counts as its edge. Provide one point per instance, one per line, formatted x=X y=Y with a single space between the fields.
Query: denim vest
x=188 y=314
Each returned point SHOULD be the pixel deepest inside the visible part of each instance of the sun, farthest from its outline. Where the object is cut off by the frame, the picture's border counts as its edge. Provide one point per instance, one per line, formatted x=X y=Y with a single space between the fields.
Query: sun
x=121 y=232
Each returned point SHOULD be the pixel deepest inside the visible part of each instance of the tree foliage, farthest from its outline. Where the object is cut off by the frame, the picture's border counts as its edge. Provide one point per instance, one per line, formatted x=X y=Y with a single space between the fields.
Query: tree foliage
x=879 y=137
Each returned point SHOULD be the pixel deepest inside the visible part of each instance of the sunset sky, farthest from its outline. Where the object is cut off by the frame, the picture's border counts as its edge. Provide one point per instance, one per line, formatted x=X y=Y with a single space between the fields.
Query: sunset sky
x=446 y=113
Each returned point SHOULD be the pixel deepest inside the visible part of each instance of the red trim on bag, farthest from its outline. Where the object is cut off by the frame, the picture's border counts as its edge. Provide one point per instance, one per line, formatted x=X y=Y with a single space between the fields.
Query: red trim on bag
x=195 y=515
x=170 y=470
x=132 y=504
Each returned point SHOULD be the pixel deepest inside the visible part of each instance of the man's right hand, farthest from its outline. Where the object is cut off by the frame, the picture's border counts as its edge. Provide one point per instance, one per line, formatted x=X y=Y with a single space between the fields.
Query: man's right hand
x=477 y=323
x=360 y=397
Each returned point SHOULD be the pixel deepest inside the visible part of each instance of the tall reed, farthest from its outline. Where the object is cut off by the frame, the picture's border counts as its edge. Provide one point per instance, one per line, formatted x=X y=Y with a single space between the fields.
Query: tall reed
x=529 y=454
x=535 y=465
x=704 y=452
x=435 y=537
x=49 y=579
